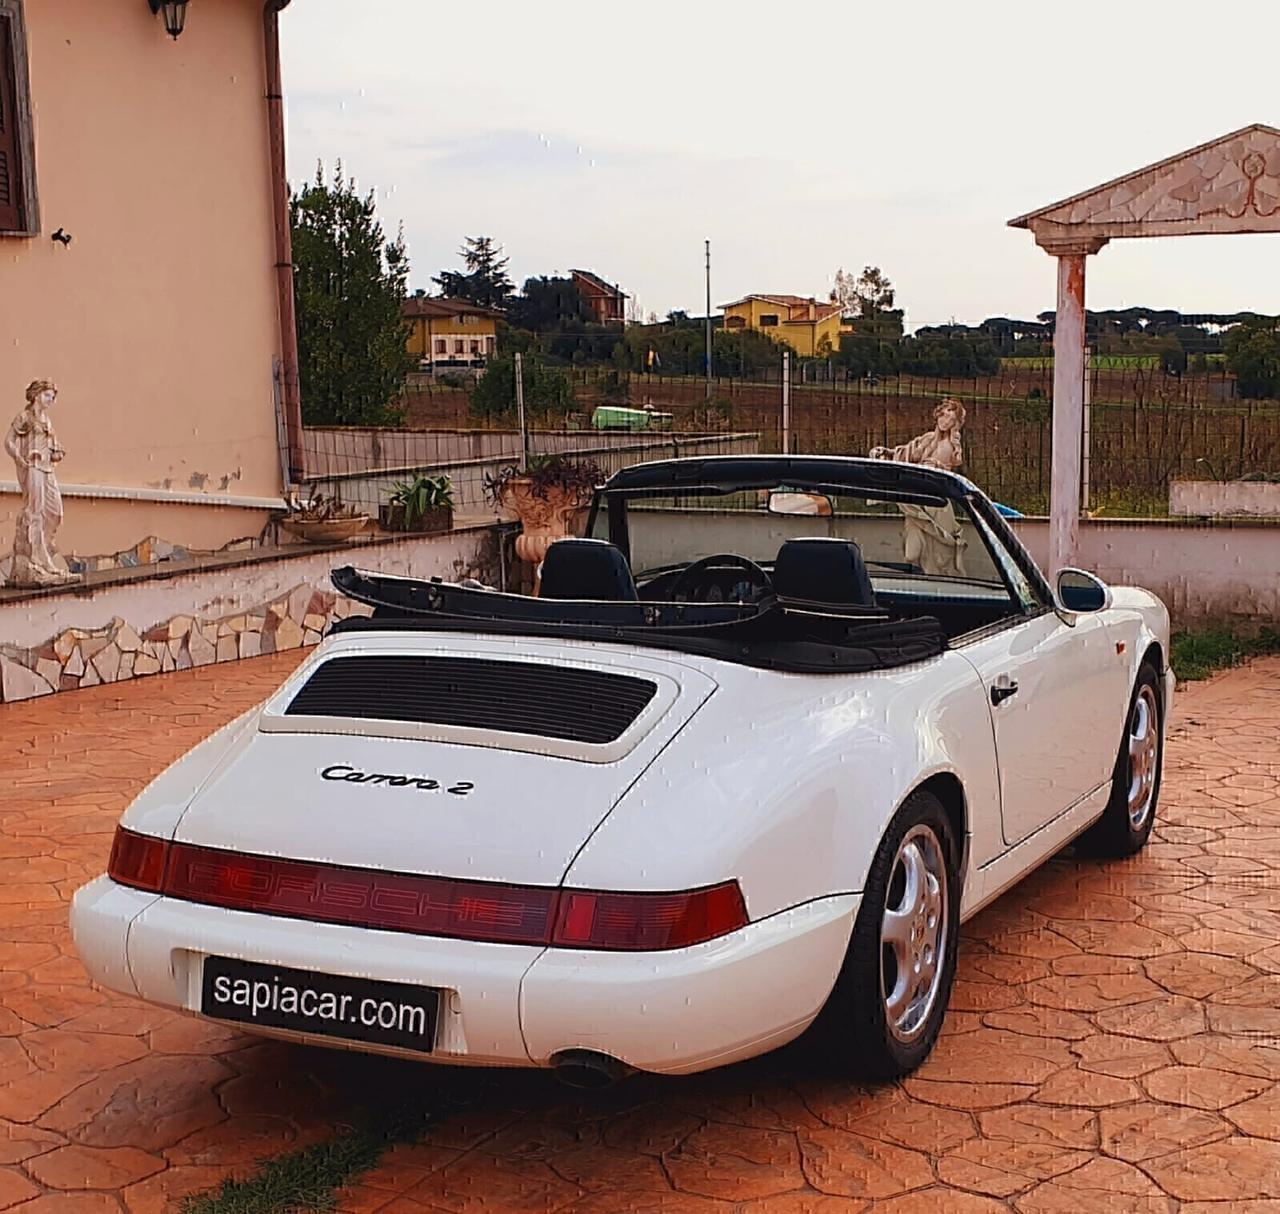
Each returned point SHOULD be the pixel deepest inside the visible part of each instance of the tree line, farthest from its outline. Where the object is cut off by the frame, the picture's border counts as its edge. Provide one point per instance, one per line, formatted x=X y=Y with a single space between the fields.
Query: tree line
x=351 y=282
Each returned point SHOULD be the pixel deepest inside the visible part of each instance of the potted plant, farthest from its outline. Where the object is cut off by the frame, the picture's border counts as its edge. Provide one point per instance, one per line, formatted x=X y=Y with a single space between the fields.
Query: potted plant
x=549 y=497
x=323 y=520
x=424 y=504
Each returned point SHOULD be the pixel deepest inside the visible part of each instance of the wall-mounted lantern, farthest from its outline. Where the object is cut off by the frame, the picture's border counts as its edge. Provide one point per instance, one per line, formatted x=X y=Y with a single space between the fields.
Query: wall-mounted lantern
x=175 y=15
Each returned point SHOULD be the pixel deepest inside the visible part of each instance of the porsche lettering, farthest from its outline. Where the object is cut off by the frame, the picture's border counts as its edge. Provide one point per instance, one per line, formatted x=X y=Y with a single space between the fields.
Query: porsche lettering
x=352 y=775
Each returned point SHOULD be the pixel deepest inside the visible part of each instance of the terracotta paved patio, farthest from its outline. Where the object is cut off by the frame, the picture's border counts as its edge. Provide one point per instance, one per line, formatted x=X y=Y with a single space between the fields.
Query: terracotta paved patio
x=1113 y=1043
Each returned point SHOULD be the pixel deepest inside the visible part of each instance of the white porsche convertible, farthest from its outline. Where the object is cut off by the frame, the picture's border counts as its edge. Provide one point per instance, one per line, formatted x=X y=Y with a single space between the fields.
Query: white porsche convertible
x=740 y=770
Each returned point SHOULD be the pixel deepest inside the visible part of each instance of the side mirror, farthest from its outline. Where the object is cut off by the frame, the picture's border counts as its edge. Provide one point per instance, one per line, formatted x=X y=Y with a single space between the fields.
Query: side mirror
x=1081 y=592
x=800 y=503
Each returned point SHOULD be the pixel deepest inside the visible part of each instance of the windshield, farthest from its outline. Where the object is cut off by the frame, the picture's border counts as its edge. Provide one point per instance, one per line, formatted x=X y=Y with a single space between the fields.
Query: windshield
x=906 y=546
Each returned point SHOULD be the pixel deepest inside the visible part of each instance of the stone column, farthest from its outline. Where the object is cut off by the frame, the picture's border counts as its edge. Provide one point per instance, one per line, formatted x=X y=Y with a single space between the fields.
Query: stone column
x=1068 y=398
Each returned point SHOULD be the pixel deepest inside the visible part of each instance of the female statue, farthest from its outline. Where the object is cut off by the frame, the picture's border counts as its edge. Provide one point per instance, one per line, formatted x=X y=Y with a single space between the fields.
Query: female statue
x=932 y=537
x=33 y=447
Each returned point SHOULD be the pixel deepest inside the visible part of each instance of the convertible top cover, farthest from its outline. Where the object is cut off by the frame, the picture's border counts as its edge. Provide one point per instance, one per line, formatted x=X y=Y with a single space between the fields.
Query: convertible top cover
x=747 y=634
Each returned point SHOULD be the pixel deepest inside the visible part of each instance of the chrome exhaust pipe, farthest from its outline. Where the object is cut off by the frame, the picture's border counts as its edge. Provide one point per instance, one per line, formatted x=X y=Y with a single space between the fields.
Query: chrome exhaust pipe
x=587 y=1069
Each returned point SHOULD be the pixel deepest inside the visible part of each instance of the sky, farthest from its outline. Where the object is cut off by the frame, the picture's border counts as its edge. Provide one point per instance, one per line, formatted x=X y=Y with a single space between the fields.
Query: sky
x=798 y=139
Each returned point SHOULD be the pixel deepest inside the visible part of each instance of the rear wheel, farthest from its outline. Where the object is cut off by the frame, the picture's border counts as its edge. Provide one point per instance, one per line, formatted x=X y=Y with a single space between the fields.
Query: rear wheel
x=890 y=997
x=1125 y=825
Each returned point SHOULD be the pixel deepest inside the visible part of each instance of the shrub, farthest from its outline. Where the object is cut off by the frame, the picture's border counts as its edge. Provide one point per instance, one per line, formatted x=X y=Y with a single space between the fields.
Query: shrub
x=546 y=389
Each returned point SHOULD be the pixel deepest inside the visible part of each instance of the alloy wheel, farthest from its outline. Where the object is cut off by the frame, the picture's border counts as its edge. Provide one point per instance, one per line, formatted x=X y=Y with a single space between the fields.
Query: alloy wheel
x=1144 y=756
x=914 y=933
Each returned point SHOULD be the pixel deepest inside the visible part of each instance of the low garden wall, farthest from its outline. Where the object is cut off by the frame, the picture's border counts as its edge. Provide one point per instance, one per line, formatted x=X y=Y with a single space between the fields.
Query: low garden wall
x=1217 y=499
x=105 y=631
x=1205 y=570
x=133 y=623
x=369 y=485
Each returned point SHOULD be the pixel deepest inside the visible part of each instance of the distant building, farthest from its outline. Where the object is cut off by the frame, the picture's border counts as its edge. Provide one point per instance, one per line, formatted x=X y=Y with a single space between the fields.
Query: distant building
x=809 y=327
x=450 y=333
x=608 y=303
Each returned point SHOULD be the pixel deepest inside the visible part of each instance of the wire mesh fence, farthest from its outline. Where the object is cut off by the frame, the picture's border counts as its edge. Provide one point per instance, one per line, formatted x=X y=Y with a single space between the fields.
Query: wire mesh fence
x=1149 y=425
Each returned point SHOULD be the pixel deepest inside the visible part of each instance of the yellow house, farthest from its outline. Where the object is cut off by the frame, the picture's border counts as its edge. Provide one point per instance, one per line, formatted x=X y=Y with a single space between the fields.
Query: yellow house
x=809 y=327
x=449 y=333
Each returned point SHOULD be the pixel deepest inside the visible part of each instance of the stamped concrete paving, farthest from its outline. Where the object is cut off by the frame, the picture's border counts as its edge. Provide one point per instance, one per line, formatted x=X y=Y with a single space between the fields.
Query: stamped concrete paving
x=1113 y=1043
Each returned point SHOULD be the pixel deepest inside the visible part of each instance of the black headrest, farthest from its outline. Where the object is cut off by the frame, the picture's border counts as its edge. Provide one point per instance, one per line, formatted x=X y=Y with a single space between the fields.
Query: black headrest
x=587 y=569
x=823 y=574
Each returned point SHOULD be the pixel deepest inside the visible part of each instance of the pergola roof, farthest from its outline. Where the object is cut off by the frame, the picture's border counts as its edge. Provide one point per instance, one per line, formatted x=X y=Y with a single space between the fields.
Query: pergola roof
x=1230 y=184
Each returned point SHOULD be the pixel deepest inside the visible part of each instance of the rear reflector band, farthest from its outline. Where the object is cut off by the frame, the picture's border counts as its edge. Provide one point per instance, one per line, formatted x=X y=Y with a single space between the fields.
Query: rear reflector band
x=427 y=906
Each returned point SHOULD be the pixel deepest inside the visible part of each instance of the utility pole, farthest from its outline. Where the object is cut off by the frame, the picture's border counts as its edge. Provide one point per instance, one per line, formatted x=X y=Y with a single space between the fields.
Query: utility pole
x=524 y=430
x=1084 y=438
x=708 y=322
x=786 y=402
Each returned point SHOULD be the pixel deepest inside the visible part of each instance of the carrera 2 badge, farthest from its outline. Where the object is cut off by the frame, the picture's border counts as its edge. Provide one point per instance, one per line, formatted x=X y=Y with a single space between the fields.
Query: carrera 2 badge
x=352 y=775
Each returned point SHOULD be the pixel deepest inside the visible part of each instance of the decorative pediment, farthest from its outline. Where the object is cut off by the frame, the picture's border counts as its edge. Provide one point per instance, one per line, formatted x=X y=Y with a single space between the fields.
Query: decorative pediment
x=1231 y=184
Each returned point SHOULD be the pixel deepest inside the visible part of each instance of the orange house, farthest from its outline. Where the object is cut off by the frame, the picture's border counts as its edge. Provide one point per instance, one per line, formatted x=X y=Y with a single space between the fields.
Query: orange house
x=144 y=266
x=608 y=303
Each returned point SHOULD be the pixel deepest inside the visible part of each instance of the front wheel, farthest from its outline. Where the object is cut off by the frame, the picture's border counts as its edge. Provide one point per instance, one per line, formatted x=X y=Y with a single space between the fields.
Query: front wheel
x=889 y=1000
x=1125 y=825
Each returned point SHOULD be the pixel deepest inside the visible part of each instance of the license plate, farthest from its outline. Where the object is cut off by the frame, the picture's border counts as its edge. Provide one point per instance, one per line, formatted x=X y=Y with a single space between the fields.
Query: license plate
x=356 y=1009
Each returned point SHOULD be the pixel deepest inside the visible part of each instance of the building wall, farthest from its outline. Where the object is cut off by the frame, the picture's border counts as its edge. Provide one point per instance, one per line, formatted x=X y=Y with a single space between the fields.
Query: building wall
x=752 y=309
x=426 y=331
x=159 y=322
x=804 y=338
x=801 y=338
x=1224 y=570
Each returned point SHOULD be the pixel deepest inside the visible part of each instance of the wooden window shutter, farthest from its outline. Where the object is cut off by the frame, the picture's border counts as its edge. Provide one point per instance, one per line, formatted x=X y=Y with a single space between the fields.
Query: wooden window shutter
x=11 y=187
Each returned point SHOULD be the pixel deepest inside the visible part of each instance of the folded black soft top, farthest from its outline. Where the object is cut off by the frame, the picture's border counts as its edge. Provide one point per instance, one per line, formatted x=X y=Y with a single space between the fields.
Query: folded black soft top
x=764 y=635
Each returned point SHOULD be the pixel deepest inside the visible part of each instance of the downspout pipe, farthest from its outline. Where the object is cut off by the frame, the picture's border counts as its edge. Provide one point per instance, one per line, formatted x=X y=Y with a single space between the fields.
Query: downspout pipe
x=291 y=391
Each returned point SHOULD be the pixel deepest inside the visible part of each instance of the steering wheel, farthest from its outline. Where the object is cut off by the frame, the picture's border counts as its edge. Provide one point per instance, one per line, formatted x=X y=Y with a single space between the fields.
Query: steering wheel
x=686 y=580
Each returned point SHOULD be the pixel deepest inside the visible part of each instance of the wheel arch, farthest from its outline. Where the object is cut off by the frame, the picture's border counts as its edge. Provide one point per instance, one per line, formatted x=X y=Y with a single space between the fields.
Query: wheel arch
x=946 y=786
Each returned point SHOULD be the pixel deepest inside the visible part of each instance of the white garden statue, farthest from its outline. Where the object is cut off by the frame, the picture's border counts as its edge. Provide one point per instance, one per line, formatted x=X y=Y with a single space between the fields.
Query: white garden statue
x=933 y=541
x=33 y=447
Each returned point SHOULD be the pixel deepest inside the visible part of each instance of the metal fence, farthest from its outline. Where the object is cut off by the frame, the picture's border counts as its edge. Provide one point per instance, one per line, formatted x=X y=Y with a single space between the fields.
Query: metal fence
x=1148 y=425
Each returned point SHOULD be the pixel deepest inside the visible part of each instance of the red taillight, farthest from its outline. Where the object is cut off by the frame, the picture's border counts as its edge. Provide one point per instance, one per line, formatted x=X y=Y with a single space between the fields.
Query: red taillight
x=137 y=860
x=426 y=906
x=648 y=922
x=361 y=897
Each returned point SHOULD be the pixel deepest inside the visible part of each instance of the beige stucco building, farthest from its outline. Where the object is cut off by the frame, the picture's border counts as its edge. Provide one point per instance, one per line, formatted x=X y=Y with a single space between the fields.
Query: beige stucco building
x=161 y=320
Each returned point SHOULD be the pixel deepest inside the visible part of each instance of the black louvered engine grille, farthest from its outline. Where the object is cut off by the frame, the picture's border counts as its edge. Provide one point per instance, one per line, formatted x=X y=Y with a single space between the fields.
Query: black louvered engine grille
x=514 y=697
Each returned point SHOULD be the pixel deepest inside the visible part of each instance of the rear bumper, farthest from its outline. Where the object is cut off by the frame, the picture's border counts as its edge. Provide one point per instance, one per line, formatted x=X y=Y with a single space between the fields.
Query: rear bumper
x=503 y=1005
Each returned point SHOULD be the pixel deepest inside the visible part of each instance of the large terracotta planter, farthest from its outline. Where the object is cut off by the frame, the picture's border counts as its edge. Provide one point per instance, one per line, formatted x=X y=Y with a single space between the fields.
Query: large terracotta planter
x=543 y=520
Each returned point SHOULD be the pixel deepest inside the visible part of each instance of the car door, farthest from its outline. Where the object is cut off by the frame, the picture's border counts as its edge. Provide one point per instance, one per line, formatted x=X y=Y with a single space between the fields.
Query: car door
x=1057 y=691
x=1055 y=710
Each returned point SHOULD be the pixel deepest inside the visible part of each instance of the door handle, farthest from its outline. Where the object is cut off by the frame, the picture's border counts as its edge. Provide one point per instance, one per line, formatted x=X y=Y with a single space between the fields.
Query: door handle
x=1002 y=689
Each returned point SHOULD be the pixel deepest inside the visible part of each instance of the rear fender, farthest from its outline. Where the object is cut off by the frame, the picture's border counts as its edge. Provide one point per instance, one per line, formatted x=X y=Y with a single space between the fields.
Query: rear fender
x=787 y=783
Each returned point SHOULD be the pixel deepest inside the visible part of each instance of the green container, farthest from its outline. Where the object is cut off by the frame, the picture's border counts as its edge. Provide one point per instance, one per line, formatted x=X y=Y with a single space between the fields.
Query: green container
x=615 y=417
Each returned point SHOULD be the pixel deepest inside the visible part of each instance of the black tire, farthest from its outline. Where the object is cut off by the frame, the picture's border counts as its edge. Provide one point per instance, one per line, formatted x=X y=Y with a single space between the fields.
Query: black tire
x=1119 y=833
x=854 y=1030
